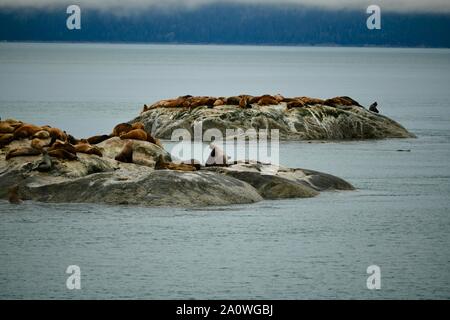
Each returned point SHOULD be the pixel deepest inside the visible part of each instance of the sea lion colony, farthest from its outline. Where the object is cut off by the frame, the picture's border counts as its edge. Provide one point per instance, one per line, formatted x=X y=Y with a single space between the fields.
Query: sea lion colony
x=248 y=101
x=56 y=143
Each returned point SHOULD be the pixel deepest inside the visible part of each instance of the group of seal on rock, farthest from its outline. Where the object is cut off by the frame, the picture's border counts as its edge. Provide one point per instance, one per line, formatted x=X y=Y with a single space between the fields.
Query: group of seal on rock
x=45 y=140
x=247 y=101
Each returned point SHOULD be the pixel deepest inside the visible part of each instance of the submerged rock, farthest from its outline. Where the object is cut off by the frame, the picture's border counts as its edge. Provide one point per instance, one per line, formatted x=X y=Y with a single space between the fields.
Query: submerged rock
x=340 y=118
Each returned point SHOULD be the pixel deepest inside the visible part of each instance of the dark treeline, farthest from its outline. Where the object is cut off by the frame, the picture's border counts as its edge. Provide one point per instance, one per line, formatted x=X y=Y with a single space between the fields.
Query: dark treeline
x=229 y=24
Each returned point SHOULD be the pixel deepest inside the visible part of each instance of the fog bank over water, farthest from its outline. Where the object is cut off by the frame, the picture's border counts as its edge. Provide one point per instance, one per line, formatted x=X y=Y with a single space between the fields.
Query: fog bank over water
x=438 y=6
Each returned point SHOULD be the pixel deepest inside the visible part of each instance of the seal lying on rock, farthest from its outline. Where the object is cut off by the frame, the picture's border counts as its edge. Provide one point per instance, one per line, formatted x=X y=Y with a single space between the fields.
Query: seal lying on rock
x=87 y=149
x=6 y=138
x=160 y=164
x=98 y=139
x=135 y=134
x=21 y=152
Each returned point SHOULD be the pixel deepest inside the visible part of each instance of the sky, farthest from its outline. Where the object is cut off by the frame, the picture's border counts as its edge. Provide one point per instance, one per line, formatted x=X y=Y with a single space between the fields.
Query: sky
x=387 y=5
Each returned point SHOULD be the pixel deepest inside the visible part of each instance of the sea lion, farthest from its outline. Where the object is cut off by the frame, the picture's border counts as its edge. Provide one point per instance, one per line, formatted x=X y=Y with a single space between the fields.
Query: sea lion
x=22 y=152
x=13 y=195
x=307 y=101
x=38 y=144
x=244 y=103
x=45 y=164
x=6 y=139
x=154 y=140
x=218 y=102
x=373 y=107
x=160 y=164
x=136 y=134
x=25 y=131
x=279 y=97
x=62 y=154
x=87 y=149
x=267 y=100
x=217 y=157
x=145 y=108
x=233 y=101
x=97 y=139
x=202 y=101
x=72 y=140
x=5 y=127
x=195 y=163
x=341 y=101
x=138 y=125
x=56 y=133
x=43 y=134
x=126 y=155
x=295 y=104
x=59 y=145
x=121 y=128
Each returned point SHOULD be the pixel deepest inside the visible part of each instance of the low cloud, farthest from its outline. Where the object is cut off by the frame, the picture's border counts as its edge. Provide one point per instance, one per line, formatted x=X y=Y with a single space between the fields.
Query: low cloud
x=386 y=5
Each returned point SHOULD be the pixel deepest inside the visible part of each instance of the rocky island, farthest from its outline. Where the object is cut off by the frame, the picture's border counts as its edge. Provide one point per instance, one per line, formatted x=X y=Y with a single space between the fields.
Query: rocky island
x=130 y=166
x=297 y=118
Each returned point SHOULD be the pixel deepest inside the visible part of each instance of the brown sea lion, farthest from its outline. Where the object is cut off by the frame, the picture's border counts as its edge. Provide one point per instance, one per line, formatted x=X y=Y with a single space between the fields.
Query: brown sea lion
x=22 y=152
x=233 y=101
x=295 y=104
x=341 y=101
x=160 y=164
x=38 y=144
x=121 y=128
x=153 y=140
x=136 y=134
x=138 y=125
x=279 y=97
x=218 y=102
x=244 y=103
x=87 y=149
x=307 y=101
x=5 y=127
x=145 y=108
x=97 y=139
x=25 y=131
x=126 y=155
x=62 y=154
x=6 y=139
x=72 y=140
x=202 y=101
x=13 y=195
x=193 y=162
x=267 y=100
x=59 y=145
x=43 y=134
x=56 y=133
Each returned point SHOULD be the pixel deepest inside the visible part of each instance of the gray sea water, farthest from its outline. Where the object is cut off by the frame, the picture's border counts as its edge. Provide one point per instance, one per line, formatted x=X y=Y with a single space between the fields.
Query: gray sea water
x=398 y=218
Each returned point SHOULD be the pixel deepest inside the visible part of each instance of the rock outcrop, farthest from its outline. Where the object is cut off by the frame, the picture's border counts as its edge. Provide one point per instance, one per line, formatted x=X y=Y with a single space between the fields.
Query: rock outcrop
x=300 y=118
x=94 y=179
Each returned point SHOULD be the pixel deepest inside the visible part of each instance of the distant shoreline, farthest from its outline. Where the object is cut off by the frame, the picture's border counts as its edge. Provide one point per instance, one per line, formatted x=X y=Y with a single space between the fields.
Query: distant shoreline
x=224 y=44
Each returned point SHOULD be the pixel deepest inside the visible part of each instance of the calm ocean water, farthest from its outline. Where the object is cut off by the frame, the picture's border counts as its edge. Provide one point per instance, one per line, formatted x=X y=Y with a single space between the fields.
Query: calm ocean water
x=399 y=218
